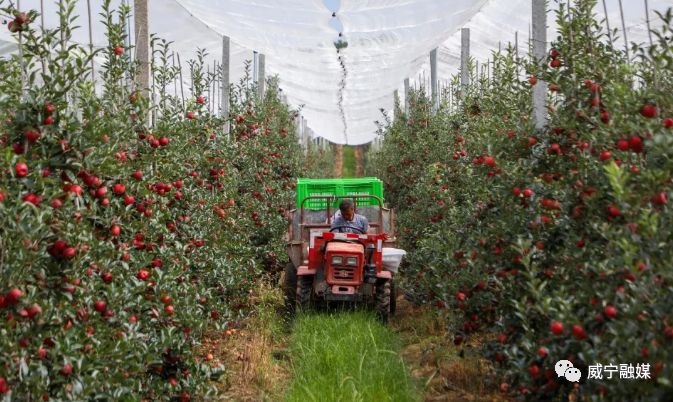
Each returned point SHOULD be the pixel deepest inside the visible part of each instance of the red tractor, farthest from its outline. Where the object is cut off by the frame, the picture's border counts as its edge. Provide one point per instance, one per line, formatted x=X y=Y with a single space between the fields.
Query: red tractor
x=327 y=266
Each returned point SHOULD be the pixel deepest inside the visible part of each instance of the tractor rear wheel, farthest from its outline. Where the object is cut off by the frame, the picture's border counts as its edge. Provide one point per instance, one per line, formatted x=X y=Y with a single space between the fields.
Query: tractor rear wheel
x=393 y=297
x=289 y=291
x=304 y=290
x=383 y=301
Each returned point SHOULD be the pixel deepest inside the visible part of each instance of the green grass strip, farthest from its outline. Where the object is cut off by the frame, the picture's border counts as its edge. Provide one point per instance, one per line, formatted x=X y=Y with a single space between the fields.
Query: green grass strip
x=349 y=162
x=347 y=356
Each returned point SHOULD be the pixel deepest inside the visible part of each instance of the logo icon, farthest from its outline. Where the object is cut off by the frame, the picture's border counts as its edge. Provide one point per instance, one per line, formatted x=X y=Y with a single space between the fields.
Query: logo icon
x=564 y=368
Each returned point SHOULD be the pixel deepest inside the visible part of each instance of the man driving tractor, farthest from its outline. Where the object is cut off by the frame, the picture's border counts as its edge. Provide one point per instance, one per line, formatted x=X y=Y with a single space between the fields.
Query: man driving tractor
x=345 y=220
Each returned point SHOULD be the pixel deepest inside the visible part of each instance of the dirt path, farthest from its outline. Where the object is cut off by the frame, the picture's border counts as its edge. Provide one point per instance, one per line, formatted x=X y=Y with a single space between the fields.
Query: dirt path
x=258 y=367
x=446 y=374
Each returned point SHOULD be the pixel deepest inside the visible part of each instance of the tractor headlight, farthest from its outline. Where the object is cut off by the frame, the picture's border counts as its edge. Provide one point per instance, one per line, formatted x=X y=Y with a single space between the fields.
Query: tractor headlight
x=337 y=260
x=352 y=261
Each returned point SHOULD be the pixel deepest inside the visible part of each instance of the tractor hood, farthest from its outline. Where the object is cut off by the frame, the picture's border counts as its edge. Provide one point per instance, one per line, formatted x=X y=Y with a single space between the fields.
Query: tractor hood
x=335 y=247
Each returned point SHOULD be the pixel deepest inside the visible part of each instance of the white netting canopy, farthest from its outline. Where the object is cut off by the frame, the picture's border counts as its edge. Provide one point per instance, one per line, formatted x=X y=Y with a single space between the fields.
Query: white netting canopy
x=388 y=41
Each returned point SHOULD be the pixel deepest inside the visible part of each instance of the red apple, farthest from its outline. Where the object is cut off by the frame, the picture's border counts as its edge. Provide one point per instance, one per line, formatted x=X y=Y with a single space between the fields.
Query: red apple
x=623 y=145
x=21 y=169
x=579 y=332
x=100 y=306
x=143 y=275
x=107 y=277
x=610 y=311
x=636 y=144
x=66 y=370
x=649 y=110
x=119 y=189
x=614 y=211
x=556 y=327
x=12 y=296
x=660 y=198
x=69 y=252
x=32 y=135
x=605 y=116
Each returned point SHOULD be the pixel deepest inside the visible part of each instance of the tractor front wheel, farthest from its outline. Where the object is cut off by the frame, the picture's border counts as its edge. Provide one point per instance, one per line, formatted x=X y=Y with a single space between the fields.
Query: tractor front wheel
x=304 y=290
x=383 y=301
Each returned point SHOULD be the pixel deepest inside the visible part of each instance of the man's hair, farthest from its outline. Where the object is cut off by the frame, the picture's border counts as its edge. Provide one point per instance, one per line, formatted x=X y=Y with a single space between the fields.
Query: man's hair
x=345 y=205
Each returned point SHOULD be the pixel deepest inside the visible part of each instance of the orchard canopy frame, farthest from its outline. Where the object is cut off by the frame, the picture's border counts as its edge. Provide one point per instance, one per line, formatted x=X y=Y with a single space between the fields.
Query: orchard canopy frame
x=343 y=59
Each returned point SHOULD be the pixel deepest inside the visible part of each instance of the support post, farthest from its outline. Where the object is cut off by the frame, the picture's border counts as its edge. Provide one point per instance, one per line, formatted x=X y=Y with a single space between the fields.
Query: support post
x=464 y=60
x=225 y=81
x=261 y=72
x=141 y=27
x=255 y=66
x=539 y=54
x=88 y=9
x=406 y=96
x=434 y=87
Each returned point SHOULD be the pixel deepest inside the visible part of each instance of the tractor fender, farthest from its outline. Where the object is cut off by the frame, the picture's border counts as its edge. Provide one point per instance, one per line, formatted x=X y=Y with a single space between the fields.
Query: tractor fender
x=304 y=270
x=384 y=275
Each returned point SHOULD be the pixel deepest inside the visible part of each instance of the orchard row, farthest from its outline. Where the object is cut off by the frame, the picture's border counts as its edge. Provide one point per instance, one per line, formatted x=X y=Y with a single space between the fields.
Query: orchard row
x=555 y=241
x=121 y=241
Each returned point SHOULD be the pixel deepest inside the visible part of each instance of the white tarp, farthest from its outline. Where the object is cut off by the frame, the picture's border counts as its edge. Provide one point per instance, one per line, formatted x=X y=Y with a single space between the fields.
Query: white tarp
x=388 y=41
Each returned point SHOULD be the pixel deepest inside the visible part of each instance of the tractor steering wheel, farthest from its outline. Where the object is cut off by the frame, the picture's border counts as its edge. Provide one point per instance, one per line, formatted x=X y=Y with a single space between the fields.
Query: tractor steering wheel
x=350 y=227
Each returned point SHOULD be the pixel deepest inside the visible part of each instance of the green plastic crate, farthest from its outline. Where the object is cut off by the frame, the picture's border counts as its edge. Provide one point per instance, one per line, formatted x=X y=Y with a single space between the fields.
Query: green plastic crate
x=364 y=185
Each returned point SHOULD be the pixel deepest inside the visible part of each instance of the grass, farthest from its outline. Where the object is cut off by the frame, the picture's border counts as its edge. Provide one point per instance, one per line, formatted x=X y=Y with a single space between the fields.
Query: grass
x=347 y=357
x=349 y=162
